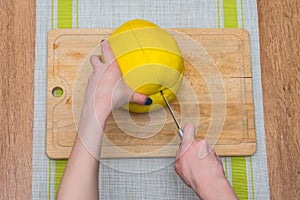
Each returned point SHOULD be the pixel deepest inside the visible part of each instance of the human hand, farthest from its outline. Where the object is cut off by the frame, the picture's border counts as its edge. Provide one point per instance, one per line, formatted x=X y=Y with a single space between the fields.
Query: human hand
x=201 y=169
x=105 y=91
x=106 y=88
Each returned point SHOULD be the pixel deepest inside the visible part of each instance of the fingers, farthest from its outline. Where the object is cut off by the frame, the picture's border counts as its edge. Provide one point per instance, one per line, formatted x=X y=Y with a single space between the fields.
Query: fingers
x=107 y=54
x=95 y=62
x=109 y=57
x=188 y=133
x=140 y=99
x=188 y=138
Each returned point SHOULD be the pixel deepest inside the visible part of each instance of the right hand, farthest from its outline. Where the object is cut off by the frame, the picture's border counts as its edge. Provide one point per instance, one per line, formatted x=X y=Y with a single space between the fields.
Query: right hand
x=201 y=169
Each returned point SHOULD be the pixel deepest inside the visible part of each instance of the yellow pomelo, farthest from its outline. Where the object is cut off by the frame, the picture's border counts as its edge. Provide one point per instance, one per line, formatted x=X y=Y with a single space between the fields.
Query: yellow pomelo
x=150 y=61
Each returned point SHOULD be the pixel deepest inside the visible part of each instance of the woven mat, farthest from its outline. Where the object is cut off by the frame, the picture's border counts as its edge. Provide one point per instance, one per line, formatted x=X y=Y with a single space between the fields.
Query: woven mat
x=248 y=175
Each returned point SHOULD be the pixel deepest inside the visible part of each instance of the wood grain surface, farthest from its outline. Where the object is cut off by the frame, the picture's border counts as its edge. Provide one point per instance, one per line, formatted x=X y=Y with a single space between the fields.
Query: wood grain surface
x=17 y=28
x=279 y=25
x=279 y=38
x=198 y=101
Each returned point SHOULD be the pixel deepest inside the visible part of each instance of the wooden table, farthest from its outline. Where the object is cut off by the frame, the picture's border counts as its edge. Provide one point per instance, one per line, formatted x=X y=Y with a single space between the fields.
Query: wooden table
x=279 y=40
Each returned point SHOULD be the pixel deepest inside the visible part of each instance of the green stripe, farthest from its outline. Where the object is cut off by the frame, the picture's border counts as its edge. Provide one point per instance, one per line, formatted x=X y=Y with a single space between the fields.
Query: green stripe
x=64 y=15
x=59 y=170
x=64 y=20
x=230 y=14
x=238 y=164
x=239 y=177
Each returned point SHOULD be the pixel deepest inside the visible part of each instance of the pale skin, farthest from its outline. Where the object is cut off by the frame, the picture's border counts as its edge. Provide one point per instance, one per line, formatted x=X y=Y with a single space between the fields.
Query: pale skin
x=197 y=166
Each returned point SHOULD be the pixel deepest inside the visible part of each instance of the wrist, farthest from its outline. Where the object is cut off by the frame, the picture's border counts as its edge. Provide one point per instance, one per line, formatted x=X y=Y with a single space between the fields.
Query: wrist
x=91 y=117
x=100 y=113
x=91 y=129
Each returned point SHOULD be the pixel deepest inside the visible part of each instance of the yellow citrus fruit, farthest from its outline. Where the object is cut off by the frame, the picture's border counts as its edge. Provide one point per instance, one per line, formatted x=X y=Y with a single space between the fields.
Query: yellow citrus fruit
x=150 y=61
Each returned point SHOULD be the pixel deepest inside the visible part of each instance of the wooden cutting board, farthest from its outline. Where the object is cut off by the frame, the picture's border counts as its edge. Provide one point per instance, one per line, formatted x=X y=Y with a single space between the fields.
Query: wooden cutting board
x=216 y=95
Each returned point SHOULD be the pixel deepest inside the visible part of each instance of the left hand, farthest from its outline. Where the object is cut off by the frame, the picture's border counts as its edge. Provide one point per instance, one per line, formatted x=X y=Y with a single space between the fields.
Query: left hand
x=105 y=91
x=106 y=88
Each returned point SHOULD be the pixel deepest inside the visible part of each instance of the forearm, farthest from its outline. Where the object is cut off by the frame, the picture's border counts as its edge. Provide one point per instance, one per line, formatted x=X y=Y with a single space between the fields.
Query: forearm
x=80 y=179
x=220 y=190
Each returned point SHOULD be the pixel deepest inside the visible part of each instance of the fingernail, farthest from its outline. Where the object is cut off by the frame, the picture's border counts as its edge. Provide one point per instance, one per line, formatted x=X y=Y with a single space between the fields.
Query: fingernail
x=102 y=40
x=148 y=101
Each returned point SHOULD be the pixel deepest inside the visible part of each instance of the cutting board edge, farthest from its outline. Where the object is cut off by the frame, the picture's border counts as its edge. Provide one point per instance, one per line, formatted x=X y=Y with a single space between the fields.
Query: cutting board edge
x=54 y=34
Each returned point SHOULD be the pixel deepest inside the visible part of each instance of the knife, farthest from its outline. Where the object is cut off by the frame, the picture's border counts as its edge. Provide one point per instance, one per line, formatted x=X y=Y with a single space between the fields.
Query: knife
x=180 y=129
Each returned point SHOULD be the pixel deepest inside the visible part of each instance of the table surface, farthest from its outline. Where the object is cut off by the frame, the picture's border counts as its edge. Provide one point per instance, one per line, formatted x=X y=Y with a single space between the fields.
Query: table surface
x=279 y=23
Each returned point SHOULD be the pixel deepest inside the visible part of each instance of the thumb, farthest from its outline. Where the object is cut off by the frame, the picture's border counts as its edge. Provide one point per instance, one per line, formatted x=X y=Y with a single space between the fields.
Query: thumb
x=187 y=139
x=188 y=132
x=140 y=99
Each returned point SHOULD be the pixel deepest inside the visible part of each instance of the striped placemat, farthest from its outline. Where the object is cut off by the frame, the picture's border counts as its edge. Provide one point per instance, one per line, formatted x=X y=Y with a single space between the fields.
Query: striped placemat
x=248 y=175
